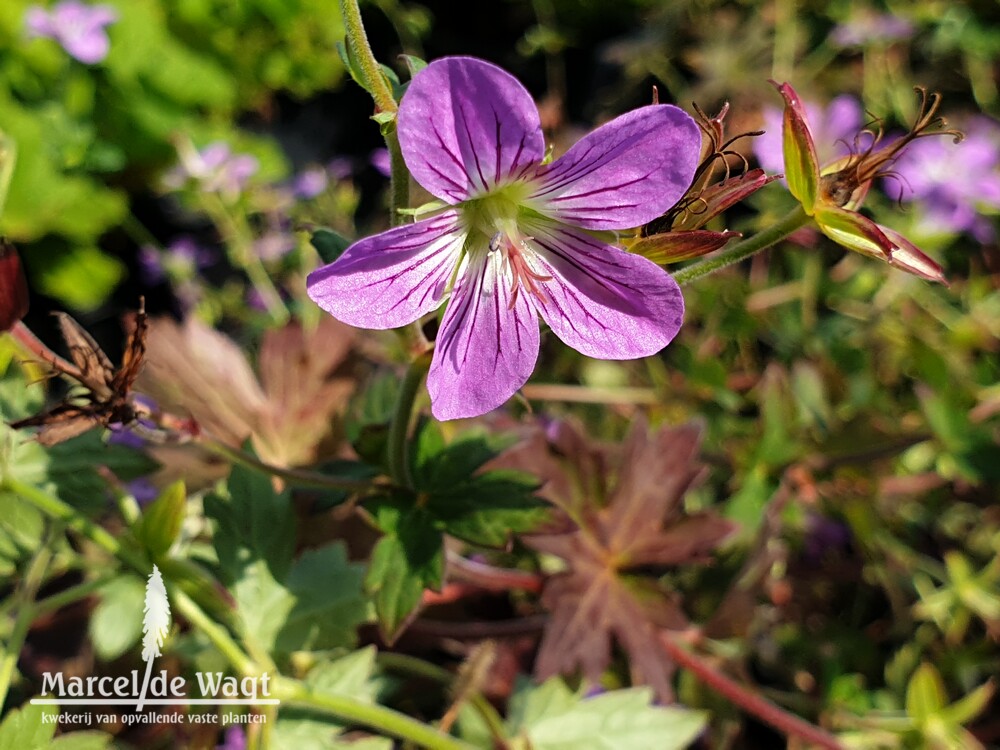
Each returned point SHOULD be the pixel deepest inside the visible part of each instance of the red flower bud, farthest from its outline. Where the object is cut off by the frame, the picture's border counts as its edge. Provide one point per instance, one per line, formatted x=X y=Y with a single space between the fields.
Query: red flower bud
x=13 y=287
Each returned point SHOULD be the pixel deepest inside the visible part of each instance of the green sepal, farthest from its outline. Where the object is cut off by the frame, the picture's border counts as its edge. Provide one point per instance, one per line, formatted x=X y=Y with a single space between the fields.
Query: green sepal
x=799 y=150
x=160 y=524
x=854 y=231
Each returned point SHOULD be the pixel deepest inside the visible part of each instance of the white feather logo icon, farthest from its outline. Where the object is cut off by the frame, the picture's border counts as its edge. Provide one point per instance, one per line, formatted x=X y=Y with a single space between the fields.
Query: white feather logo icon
x=155 y=626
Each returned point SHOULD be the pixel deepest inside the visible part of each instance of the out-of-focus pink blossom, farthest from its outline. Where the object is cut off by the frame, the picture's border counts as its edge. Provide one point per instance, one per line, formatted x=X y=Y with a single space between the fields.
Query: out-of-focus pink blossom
x=80 y=29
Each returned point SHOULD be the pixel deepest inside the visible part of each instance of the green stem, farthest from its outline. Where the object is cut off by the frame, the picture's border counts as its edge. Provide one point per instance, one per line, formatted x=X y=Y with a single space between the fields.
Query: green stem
x=382 y=719
x=745 y=248
x=357 y=40
x=399 y=429
x=57 y=509
x=222 y=640
x=26 y=612
x=399 y=193
x=239 y=239
x=72 y=594
x=419 y=668
x=298 y=477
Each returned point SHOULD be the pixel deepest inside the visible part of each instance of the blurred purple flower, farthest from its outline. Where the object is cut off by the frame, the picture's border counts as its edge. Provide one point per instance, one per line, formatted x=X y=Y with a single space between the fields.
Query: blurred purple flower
x=236 y=739
x=379 y=158
x=182 y=259
x=150 y=265
x=309 y=183
x=143 y=490
x=274 y=245
x=871 y=27
x=340 y=168
x=215 y=168
x=517 y=239
x=833 y=127
x=952 y=185
x=77 y=27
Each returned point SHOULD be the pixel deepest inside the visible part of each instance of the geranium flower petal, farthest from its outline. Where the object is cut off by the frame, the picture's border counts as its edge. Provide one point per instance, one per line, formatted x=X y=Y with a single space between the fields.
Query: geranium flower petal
x=486 y=347
x=392 y=278
x=626 y=173
x=466 y=126
x=602 y=301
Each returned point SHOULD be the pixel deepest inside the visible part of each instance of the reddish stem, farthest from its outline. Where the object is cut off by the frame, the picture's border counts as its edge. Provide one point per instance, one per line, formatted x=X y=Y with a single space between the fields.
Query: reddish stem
x=786 y=723
x=36 y=346
x=493 y=578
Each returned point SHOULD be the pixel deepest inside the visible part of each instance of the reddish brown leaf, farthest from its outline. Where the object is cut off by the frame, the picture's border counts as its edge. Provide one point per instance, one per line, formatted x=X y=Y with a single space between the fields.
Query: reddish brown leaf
x=287 y=414
x=636 y=523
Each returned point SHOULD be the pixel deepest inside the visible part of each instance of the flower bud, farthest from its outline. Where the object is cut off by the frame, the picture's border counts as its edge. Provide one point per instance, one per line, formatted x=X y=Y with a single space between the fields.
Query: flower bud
x=13 y=287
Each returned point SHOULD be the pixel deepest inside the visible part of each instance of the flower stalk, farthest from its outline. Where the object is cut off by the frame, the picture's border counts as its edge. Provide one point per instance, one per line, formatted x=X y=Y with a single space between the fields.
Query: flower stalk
x=744 y=249
x=399 y=428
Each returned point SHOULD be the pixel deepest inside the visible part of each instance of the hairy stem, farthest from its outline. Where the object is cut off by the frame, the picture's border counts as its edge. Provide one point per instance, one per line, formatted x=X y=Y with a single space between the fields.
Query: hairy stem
x=745 y=248
x=34 y=345
x=382 y=719
x=399 y=429
x=357 y=40
x=768 y=712
x=216 y=633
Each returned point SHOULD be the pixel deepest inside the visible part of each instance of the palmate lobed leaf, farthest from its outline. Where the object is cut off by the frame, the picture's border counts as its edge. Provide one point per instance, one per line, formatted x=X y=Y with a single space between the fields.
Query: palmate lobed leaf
x=643 y=523
x=287 y=412
x=552 y=717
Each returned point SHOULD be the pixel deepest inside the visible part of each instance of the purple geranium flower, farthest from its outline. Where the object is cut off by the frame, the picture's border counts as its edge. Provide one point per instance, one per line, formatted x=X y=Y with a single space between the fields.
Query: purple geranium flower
x=516 y=238
x=834 y=129
x=952 y=184
x=78 y=28
x=215 y=168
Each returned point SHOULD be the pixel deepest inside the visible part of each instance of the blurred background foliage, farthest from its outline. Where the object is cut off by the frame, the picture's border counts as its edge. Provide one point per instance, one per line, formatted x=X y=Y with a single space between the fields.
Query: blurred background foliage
x=850 y=411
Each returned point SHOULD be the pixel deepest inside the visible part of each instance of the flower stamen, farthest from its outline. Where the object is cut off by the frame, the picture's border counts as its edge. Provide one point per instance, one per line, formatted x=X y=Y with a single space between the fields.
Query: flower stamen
x=521 y=272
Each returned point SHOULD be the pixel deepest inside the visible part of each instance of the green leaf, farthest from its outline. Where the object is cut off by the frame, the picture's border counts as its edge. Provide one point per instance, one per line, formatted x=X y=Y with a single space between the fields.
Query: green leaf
x=329 y=244
x=552 y=718
x=408 y=559
x=481 y=508
x=439 y=466
x=72 y=468
x=254 y=523
x=368 y=426
x=161 y=522
x=82 y=277
x=25 y=728
x=489 y=508
x=925 y=695
x=810 y=396
x=329 y=603
x=351 y=675
x=350 y=62
x=319 y=607
x=968 y=708
x=116 y=624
